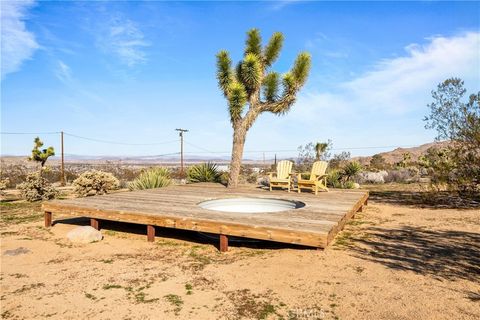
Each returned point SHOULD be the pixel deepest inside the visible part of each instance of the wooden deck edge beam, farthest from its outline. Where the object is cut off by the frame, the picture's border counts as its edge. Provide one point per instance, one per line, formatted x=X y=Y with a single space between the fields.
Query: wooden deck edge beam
x=358 y=207
x=303 y=238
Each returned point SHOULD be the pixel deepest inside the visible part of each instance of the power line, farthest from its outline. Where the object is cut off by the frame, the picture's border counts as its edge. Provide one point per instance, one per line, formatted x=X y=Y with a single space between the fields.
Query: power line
x=125 y=156
x=120 y=143
x=295 y=150
x=200 y=148
x=30 y=132
x=203 y=150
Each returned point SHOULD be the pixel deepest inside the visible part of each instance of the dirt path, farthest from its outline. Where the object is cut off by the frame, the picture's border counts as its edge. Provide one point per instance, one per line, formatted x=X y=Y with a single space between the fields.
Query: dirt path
x=391 y=262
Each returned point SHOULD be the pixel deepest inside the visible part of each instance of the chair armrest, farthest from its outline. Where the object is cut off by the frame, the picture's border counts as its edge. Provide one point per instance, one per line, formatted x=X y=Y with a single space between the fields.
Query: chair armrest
x=299 y=175
x=272 y=174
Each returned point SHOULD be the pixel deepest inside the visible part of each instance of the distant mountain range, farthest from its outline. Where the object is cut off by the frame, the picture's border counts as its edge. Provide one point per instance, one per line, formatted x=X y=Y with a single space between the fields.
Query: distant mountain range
x=396 y=155
x=389 y=156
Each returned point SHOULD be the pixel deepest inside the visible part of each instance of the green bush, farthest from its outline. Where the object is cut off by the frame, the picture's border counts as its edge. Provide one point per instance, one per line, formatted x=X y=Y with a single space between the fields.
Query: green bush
x=348 y=185
x=334 y=178
x=37 y=188
x=150 y=179
x=95 y=182
x=351 y=169
x=204 y=172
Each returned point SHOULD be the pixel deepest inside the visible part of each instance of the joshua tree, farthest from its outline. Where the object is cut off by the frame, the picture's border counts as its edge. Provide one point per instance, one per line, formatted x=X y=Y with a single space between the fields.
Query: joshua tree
x=252 y=83
x=320 y=148
x=38 y=155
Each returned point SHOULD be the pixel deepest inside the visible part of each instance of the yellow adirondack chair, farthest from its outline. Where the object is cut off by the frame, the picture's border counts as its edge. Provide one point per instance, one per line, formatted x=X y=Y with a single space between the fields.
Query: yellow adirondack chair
x=317 y=180
x=281 y=178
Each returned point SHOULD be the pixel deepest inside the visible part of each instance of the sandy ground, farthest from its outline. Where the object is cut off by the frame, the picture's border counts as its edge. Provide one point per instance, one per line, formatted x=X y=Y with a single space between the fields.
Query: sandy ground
x=392 y=261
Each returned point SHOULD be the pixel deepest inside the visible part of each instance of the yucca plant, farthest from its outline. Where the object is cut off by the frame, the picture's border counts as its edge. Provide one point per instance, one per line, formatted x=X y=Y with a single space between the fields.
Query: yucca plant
x=204 y=172
x=151 y=179
x=351 y=169
x=252 y=83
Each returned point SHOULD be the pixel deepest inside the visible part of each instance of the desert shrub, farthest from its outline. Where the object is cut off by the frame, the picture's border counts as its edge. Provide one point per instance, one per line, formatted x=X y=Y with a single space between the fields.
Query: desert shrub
x=36 y=188
x=457 y=120
x=377 y=162
x=333 y=178
x=440 y=167
x=15 y=173
x=348 y=185
x=372 y=177
x=224 y=177
x=351 y=169
x=339 y=160
x=248 y=175
x=204 y=172
x=3 y=185
x=311 y=152
x=342 y=177
x=150 y=179
x=95 y=182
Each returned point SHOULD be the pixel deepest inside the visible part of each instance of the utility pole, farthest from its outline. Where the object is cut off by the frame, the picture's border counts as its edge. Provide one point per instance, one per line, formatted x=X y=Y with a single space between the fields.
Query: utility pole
x=62 y=173
x=180 y=132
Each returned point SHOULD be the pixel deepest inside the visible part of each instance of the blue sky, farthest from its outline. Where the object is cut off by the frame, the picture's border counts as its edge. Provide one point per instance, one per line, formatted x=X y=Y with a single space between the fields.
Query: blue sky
x=135 y=71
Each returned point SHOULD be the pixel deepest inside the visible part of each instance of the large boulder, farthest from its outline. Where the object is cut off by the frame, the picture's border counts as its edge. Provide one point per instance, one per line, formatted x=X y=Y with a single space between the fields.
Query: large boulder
x=85 y=234
x=372 y=177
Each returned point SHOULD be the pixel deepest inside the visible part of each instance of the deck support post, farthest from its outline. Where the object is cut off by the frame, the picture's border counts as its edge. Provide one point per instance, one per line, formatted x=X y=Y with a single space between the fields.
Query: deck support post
x=223 y=243
x=48 y=219
x=150 y=233
x=95 y=223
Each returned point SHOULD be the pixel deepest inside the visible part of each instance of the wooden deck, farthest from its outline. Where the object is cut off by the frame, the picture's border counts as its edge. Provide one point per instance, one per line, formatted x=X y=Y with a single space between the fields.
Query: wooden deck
x=315 y=225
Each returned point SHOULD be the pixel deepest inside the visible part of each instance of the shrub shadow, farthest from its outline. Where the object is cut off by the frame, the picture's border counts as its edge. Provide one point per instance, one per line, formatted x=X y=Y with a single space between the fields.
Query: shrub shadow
x=434 y=200
x=442 y=254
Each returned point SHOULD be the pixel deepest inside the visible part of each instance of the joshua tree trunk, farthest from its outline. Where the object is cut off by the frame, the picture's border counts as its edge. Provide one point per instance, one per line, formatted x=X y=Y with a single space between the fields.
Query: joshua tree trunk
x=239 y=135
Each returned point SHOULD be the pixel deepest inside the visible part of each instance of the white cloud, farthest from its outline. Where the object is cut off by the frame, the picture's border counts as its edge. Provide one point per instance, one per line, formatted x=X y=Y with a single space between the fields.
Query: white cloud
x=18 y=44
x=63 y=72
x=399 y=85
x=279 y=5
x=123 y=38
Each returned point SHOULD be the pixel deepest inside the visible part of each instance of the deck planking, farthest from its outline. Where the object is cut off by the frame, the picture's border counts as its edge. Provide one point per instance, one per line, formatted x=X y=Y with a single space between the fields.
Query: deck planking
x=314 y=225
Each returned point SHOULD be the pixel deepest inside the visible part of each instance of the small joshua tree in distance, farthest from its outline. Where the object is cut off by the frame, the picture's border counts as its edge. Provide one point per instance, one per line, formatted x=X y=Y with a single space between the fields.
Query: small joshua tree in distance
x=40 y=155
x=252 y=83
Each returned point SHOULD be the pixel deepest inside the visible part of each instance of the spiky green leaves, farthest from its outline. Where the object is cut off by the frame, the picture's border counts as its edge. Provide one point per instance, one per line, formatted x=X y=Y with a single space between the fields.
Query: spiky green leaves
x=237 y=97
x=270 y=86
x=244 y=83
x=253 y=44
x=301 y=69
x=272 y=49
x=41 y=155
x=251 y=72
x=224 y=72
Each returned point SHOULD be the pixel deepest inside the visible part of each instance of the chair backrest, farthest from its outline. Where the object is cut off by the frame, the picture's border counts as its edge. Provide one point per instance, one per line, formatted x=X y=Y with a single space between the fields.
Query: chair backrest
x=318 y=169
x=284 y=168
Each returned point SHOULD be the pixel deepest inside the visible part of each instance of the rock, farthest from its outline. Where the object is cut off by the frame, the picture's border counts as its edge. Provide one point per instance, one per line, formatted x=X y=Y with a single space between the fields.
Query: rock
x=372 y=177
x=85 y=234
x=16 y=252
x=356 y=186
